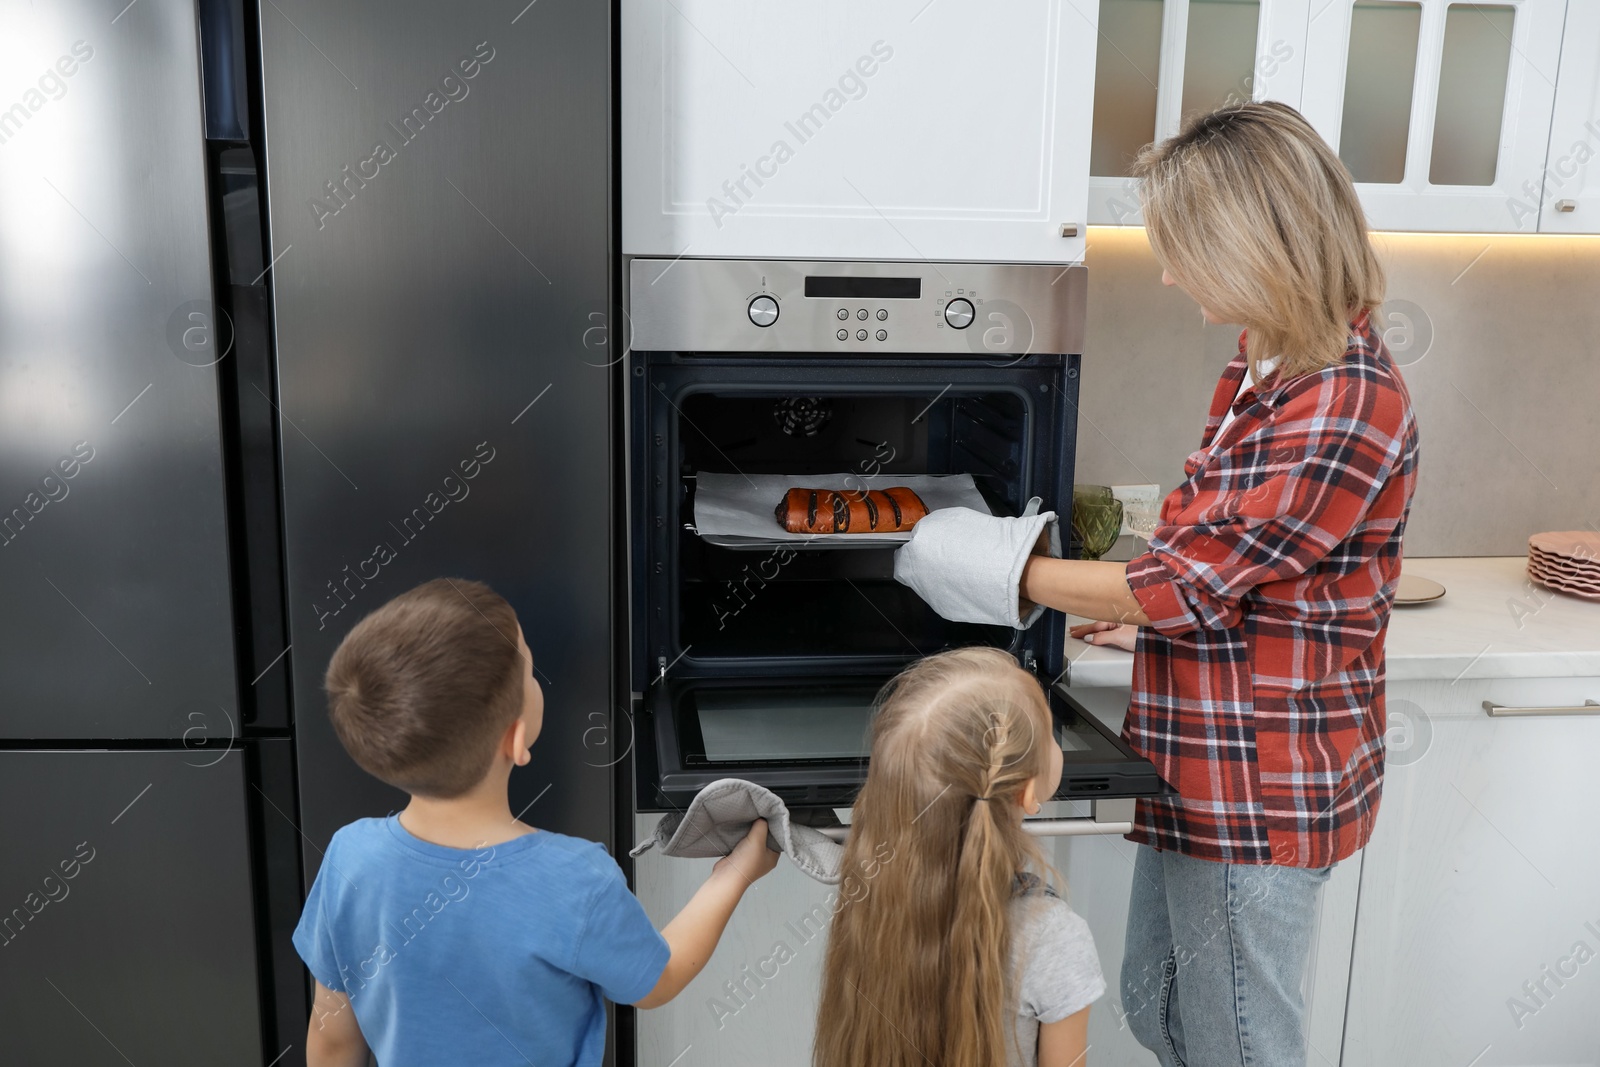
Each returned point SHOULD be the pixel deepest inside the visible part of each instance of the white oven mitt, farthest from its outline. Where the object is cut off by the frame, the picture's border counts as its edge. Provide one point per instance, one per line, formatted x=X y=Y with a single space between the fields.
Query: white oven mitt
x=720 y=816
x=968 y=565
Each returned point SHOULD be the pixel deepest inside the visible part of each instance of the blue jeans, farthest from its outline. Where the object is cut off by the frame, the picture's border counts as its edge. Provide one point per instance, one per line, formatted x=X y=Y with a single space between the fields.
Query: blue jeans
x=1214 y=959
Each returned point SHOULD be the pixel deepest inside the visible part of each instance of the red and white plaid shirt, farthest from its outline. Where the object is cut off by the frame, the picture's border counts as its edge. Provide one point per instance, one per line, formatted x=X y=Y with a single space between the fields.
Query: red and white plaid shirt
x=1258 y=684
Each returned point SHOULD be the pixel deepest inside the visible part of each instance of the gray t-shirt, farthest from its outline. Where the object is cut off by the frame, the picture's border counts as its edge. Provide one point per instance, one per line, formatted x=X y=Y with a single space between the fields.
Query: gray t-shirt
x=1057 y=967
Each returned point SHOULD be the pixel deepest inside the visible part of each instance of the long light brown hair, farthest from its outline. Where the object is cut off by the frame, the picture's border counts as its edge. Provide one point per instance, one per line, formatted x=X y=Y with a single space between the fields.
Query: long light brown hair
x=1255 y=217
x=918 y=968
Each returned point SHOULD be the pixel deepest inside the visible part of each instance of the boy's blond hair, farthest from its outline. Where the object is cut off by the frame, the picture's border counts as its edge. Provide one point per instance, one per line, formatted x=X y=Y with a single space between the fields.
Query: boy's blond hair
x=1255 y=217
x=424 y=687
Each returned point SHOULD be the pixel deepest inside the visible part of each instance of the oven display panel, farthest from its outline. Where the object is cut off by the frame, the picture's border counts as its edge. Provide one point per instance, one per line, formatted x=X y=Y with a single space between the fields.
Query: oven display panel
x=840 y=287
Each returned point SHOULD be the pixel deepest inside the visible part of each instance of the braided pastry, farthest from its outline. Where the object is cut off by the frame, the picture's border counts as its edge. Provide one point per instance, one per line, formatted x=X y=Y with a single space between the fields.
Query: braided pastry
x=827 y=511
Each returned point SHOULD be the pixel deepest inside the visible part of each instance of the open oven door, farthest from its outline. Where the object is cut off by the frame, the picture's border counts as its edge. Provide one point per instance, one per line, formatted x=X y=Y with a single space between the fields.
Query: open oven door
x=808 y=740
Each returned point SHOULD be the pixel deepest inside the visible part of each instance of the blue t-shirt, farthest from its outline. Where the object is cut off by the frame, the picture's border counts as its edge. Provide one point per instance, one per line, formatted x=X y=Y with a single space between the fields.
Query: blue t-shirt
x=496 y=955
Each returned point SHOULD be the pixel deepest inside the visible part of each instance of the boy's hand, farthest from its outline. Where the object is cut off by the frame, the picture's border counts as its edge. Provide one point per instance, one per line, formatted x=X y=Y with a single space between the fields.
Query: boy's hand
x=694 y=933
x=750 y=858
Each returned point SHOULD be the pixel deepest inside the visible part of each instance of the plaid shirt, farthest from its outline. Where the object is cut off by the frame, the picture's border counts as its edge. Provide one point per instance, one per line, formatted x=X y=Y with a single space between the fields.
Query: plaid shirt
x=1258 y=684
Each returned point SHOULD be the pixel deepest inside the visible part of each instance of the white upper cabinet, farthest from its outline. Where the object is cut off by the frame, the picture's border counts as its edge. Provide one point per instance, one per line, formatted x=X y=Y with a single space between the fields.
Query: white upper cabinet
x=895 y=129
x=1162 y=60
x=1566 y=195
x=1440 y=109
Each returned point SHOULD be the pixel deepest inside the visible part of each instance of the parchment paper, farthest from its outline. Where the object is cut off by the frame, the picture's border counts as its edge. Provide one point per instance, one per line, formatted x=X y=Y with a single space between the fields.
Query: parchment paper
x=738 y=511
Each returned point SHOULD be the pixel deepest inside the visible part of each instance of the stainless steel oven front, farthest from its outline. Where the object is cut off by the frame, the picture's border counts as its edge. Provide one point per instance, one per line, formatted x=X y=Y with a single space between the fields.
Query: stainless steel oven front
x=755 y=652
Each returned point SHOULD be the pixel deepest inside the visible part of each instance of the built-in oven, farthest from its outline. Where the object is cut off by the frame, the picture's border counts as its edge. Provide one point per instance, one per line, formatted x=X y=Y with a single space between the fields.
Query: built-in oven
x=756 y=652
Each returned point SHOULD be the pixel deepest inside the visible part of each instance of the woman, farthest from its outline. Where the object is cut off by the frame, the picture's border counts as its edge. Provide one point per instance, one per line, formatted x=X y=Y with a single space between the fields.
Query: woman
x=1258 y=614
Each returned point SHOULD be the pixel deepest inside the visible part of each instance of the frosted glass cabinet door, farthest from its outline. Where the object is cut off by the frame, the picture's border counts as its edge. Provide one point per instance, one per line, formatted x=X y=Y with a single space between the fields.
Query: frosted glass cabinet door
x=1478 y=931
x=1441 y=109
x=899 y=129
x=1160 y=61
x=1568 y=199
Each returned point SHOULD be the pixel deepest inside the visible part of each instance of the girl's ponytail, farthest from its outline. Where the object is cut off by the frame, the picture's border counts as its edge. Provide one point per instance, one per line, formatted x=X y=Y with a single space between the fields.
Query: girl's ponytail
x=979 y=998
x=918 y=966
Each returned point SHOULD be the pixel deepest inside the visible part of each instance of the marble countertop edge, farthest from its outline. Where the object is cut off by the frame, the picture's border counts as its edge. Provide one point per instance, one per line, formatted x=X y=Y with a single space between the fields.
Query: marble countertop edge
x=1490 y=624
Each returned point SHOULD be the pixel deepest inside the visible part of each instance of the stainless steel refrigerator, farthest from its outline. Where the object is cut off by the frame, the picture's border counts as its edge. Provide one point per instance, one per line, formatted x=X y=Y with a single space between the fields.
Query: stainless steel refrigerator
x=441 y=209
x=139 y=767
x=300 y=305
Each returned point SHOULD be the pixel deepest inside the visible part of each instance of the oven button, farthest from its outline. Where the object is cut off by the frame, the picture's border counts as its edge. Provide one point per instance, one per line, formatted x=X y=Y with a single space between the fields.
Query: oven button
x=958 y=313
x=861 y=335
x=763 y=311
x=883 y=335
x=844 y=314
x=882 y=314
x=862 y=314
x=844 y=335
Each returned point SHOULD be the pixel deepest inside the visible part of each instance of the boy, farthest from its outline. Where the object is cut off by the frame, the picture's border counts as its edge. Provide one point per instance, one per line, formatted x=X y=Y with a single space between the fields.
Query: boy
x=452 y=933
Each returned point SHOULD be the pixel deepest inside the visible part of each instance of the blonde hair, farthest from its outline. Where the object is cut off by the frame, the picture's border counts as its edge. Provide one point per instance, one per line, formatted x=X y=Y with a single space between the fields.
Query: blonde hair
x=1255 y=217
x=918 y=966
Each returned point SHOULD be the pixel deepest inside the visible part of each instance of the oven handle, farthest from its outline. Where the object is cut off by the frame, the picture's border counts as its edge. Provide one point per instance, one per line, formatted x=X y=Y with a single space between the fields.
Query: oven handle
x=1110 y=817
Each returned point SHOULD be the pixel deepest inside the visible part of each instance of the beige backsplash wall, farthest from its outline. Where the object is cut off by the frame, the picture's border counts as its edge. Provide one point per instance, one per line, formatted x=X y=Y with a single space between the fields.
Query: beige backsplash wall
x=1507 y=388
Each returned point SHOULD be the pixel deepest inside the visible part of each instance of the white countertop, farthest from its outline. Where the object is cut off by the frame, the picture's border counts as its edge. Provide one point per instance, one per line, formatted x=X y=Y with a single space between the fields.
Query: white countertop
x=1491 y=623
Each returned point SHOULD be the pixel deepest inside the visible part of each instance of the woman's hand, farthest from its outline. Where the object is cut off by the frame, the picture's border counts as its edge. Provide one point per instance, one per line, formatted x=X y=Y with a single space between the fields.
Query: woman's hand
x=1123 y=636
x=966 y=565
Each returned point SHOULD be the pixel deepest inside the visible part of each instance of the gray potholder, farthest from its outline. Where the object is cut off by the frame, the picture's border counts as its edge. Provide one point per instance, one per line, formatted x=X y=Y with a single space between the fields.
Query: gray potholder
x=721 y=814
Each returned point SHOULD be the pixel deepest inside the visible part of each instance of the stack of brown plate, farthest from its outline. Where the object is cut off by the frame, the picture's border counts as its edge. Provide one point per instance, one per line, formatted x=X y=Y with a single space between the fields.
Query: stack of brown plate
x=1567 y=561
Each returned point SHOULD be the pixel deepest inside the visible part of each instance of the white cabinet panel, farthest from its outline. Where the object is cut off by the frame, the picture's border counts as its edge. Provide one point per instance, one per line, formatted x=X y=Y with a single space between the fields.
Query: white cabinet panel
x=1567 y=195
x=1478 y=937
x=954 y=130
x=1412 y=200
x=753 y=1003
x=1099 y=876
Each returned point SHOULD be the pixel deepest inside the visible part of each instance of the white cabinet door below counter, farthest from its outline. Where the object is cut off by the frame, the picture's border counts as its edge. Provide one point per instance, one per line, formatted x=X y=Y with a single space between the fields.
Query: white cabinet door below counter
x=1478 y=930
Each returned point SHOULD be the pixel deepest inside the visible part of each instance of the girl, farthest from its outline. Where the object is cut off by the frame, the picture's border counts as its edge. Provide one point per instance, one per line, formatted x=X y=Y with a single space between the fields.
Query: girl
x=957 y=953
x=1258 y=614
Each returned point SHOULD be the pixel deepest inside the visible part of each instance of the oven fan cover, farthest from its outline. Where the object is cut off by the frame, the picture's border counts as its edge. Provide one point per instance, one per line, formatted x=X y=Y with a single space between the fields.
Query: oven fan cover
x=802 y=416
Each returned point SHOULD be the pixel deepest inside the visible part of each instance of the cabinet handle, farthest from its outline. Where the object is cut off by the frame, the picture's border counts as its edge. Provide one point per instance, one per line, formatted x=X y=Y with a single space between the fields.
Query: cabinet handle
x=1074 y=827
x=1588 y=707
x=1110 y=817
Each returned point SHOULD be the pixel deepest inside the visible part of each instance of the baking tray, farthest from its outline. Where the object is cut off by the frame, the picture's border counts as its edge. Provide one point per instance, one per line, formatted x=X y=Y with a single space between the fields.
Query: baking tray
x=737 y=510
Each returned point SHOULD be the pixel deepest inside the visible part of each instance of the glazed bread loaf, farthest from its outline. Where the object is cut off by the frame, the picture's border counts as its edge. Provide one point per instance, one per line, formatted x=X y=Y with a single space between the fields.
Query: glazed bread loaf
x=828 y=511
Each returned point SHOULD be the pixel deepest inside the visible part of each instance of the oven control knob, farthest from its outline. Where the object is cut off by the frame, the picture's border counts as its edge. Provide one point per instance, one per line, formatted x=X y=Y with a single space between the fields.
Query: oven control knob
x=958 y=313
x=763 y=311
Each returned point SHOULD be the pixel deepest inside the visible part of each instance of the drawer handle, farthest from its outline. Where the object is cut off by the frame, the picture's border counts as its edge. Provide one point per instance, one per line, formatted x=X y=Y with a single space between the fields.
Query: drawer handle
x=1588 y=707
x=1113 y=816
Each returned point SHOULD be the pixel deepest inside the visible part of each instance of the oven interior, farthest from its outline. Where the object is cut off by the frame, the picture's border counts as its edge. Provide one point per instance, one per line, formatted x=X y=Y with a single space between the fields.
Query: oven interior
x=816 y=599
x=760 y=658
